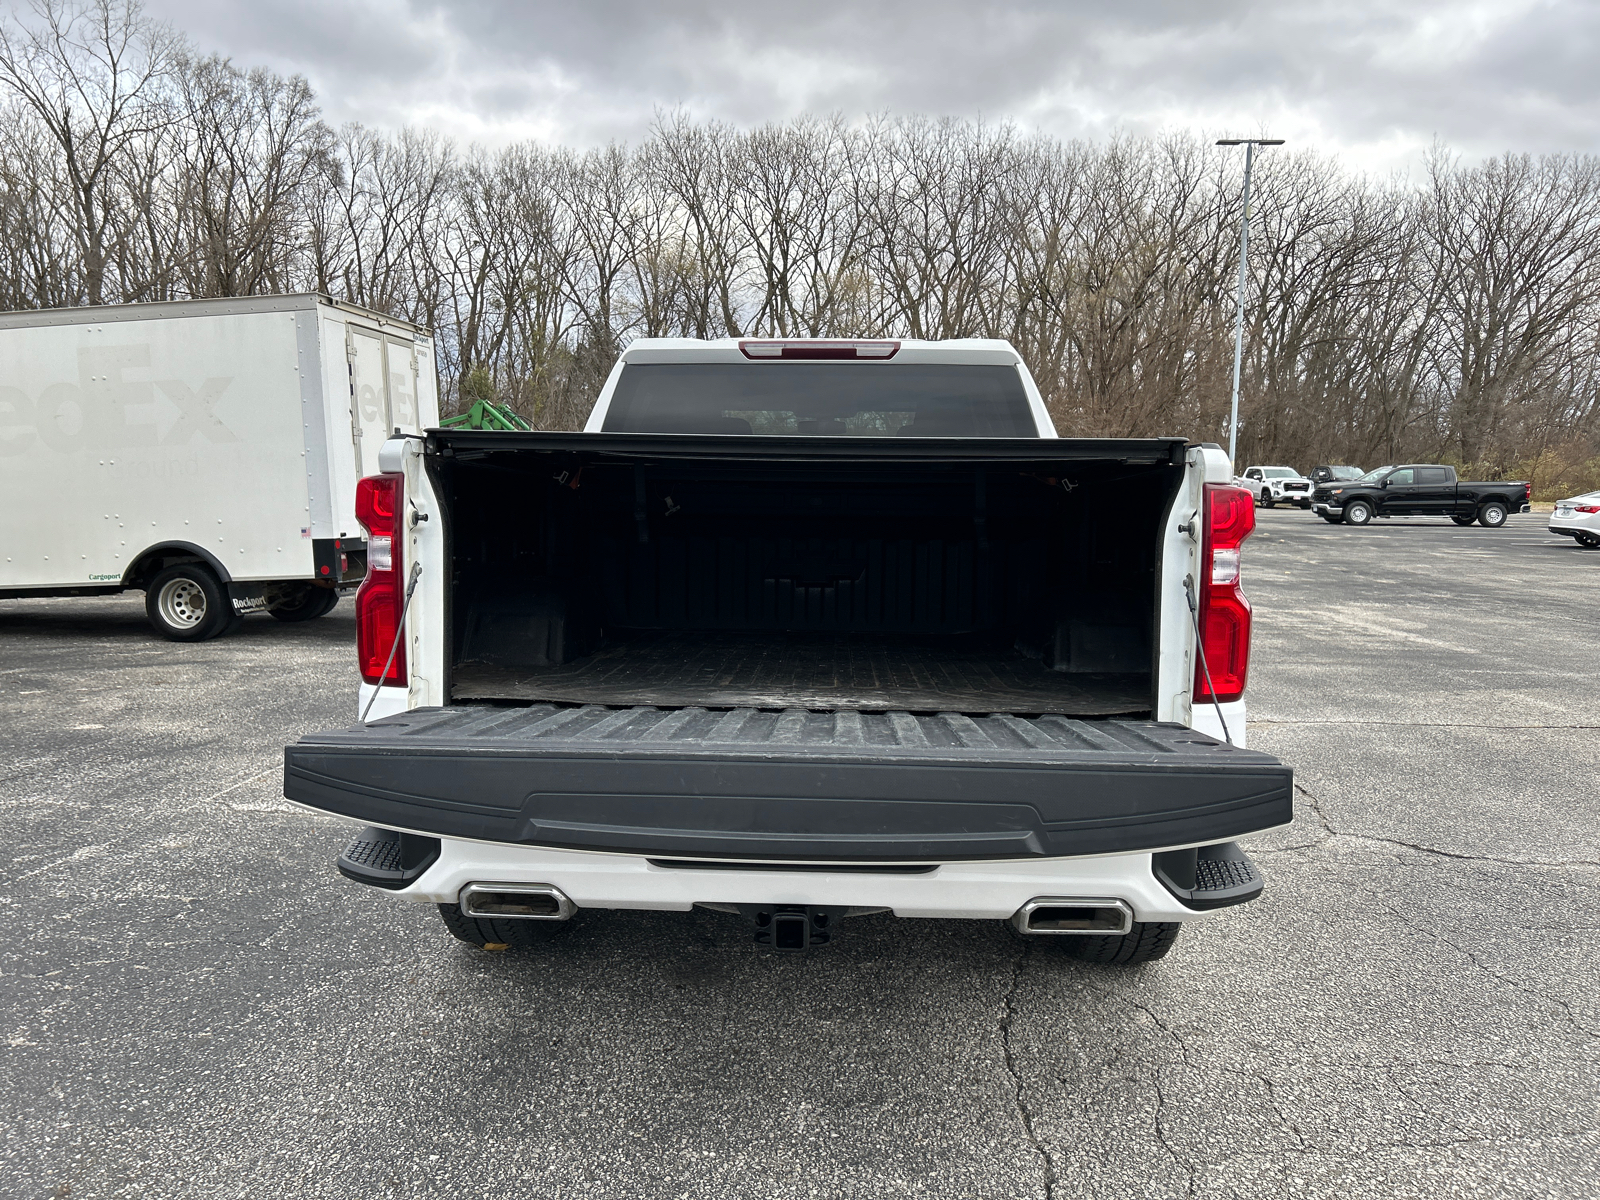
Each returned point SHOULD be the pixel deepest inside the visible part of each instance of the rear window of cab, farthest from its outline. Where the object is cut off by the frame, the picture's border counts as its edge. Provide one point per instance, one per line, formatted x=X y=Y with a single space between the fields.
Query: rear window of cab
x=842 y=399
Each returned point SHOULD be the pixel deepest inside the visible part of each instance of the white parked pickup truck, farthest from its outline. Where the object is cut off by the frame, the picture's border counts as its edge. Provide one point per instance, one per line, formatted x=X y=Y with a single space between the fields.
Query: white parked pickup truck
x=800 y=630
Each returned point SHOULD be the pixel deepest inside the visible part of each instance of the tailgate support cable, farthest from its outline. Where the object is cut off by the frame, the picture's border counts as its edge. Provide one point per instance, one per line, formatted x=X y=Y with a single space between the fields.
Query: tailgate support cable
x=400 y=632
x=1200 y=649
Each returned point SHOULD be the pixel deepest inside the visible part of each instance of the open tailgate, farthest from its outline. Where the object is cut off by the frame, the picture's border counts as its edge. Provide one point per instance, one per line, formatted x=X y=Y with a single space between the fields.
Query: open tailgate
x=791 y=785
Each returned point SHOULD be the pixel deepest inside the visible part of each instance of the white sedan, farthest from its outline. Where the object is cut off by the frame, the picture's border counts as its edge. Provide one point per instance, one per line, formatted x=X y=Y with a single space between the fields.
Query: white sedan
x=1578 y=518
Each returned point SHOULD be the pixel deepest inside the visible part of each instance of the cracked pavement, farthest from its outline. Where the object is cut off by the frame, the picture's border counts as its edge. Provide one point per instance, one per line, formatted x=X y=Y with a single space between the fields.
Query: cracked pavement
x=196 y=1004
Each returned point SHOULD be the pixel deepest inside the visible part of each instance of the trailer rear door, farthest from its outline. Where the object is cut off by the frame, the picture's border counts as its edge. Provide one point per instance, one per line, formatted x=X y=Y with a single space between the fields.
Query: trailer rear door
x=369 y=396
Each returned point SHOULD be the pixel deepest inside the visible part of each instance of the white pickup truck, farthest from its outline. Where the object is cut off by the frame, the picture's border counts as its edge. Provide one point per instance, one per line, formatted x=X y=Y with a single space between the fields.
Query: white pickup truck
x=800 y=630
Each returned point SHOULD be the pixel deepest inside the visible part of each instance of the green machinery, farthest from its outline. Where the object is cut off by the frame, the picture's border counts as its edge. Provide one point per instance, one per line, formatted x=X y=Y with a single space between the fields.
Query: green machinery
x=486 y=414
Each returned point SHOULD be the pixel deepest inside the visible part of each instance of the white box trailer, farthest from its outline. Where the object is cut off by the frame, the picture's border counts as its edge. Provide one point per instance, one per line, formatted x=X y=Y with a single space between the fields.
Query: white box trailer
x=206 y=451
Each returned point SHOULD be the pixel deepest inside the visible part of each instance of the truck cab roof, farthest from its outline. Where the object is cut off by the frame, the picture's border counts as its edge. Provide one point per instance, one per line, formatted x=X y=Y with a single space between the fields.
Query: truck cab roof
x=969 y=351
x=802 y=396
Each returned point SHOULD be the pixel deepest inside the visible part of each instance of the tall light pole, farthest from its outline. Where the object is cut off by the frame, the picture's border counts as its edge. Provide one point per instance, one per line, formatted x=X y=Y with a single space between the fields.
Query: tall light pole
x=1249 y=145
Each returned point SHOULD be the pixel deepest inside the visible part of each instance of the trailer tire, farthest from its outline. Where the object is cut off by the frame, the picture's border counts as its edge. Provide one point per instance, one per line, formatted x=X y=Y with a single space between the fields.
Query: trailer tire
x=1492 y=514
x=312 y=603
x=1358 y=512
x=187 y=603
x=499 y=935
x=1145 y=942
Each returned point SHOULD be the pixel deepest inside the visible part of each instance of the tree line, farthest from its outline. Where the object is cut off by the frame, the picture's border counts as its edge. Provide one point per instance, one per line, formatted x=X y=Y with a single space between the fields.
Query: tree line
x=1452 y=317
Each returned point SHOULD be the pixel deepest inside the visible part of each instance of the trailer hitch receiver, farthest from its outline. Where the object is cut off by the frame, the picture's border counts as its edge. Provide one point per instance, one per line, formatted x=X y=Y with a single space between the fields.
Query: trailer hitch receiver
x=792 y=926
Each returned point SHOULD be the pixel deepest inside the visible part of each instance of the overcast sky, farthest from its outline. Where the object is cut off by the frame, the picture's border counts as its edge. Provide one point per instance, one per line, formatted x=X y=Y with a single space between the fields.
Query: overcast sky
x=1374 y=81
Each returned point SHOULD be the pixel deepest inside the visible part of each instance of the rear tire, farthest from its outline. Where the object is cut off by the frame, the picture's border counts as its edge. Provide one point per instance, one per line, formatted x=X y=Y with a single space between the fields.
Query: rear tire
x=1266 y=499
x=1463 y=521
x=1358 y=512
x=1305 y=504
x=1145 y=942
x=187 y=603
x=1587 y=540
x=1492 y=515
x=499 y=935
x=314 y=602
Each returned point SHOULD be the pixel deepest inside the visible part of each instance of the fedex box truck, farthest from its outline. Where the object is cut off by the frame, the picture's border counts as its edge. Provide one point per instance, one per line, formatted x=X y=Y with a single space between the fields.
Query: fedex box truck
x=203 y=451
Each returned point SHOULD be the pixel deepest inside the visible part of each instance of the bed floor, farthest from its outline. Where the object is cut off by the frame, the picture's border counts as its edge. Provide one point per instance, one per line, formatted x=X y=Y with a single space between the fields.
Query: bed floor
x=827 y=671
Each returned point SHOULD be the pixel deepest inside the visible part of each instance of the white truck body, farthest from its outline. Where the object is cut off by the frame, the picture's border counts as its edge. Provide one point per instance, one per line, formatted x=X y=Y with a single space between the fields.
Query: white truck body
x=322 y=771
x=233 y=428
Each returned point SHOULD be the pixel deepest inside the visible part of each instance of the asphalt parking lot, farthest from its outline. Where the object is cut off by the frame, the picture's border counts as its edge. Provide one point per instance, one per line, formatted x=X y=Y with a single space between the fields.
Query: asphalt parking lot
x=196 y=1004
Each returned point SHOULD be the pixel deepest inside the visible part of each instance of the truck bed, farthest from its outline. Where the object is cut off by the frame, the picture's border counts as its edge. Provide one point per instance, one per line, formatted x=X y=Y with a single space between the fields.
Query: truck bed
x=962 y=574
x=751 y=784
x=862 y=672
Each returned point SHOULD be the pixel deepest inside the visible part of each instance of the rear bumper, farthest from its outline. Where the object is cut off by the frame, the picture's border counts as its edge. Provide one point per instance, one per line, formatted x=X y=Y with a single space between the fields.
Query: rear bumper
x=974 y=891
x=883 y=787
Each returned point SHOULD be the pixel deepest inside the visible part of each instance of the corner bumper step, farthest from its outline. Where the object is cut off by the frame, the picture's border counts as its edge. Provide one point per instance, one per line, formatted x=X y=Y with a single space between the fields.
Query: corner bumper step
x=387 y=859
x=1210 y=876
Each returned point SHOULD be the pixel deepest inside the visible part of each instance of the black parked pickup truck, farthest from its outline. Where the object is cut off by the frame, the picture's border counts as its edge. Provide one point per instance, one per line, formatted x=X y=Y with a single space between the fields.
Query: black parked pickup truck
x=1418 y=490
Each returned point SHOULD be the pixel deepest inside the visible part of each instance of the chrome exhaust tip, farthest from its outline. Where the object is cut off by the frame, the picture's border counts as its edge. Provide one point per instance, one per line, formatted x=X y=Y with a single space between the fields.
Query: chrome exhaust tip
x=1074 y=914
x=516 y=901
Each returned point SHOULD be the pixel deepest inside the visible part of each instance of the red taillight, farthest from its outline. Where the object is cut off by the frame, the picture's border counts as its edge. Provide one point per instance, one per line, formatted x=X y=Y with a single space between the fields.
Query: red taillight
x=812 y=348
x=381 y=600
x=1230 y=517
x=1586 y=508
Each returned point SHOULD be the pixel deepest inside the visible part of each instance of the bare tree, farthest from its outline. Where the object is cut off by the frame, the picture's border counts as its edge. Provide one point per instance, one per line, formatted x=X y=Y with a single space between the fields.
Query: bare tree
x=798 y=198
x=390 y=204
x=694 y=165
x=41 y=267
x=1515 y=244
x=254 y=150
x=94 y=74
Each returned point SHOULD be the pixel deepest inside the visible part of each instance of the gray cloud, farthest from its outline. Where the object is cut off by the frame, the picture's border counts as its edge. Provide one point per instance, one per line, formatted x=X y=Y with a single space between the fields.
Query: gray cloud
x=1370 y=79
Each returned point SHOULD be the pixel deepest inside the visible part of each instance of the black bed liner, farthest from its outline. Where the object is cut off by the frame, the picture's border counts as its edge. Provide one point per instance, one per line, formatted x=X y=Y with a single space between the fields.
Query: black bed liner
x=791 y=785
x=764 y=670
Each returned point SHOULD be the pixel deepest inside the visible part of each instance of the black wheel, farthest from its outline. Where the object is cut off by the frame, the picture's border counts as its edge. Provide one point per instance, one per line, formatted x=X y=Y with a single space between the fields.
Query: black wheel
x=1492 y=515
x=499 y=935
x=1266 y=498
x=1305 y=504
x=1358 y=512
x=1463 y=520
x=187 y=603
x=1145 y=942
x=308 y=605
x=1588 y=540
